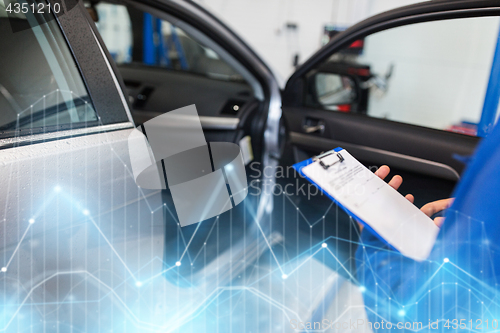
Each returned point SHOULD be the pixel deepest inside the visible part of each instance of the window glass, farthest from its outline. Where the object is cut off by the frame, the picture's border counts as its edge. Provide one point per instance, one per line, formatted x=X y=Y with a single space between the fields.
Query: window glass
x=432 y=74
x=41 y=89
x=136 y=37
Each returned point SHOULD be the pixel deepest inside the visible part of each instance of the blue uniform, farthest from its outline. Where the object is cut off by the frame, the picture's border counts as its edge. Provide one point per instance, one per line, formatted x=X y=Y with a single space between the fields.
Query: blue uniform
x=457 y=287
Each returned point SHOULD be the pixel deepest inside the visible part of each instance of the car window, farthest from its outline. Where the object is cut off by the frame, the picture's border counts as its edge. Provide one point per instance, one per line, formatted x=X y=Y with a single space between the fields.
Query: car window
x=41 y=89
x=155 y=42
x=413 y=75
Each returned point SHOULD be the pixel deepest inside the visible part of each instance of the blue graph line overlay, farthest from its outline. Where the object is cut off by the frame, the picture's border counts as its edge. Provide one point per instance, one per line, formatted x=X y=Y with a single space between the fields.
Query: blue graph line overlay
x=74 y=262
x=448 y=275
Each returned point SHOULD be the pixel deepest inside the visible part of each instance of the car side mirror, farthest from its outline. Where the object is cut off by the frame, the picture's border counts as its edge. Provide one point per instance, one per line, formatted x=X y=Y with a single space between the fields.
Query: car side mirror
x=334 y=91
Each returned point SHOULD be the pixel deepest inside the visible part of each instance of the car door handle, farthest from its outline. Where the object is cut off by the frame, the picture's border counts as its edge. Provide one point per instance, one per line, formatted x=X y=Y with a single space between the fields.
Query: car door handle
x=312 y=129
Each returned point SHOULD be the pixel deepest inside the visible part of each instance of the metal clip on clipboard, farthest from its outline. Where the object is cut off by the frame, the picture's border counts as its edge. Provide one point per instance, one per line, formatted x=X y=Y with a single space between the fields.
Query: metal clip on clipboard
x=326 y=166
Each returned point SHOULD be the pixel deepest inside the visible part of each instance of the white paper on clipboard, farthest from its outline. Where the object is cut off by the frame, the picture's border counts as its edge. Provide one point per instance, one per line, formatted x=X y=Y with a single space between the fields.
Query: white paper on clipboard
x=376 y=204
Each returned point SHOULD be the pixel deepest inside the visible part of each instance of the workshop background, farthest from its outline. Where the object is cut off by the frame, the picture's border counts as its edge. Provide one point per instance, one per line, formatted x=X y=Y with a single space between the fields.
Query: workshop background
x=286 y=28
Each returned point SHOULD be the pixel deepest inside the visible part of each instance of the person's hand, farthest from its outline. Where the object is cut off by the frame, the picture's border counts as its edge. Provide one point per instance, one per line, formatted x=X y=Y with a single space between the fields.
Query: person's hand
x=434 y=207
x=429 y=209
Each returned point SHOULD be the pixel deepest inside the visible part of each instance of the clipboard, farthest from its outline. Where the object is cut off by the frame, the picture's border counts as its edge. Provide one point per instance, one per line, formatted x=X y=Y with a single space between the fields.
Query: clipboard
x=371 y=201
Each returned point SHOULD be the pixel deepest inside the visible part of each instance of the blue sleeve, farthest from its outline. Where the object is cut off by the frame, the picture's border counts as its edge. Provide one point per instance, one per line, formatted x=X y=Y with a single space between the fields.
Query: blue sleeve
x=432 y=293
x=460 y=280
x=383 y=275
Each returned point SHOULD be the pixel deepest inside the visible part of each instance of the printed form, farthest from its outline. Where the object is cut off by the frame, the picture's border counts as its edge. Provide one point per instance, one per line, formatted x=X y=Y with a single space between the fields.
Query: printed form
x=374 y=203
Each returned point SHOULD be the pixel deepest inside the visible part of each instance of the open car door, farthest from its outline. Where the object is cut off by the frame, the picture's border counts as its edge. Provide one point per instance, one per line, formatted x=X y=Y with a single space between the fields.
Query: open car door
x=410 y=88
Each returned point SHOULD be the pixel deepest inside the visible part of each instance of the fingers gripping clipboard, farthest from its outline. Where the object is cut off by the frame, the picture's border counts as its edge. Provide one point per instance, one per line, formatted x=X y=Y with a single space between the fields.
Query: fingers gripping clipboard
x=371 y=201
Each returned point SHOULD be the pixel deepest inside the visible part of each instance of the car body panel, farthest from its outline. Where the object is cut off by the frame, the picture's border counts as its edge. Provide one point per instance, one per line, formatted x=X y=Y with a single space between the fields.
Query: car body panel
x=73 y=220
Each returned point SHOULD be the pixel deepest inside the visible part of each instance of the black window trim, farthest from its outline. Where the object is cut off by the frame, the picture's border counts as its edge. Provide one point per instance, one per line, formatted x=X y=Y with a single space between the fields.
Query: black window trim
x=105 y=88
x=61 y=134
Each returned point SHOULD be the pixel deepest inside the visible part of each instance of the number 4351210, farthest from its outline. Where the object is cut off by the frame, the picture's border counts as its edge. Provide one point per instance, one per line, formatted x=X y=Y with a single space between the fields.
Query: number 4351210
x=479 y=324
x=34 y=8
